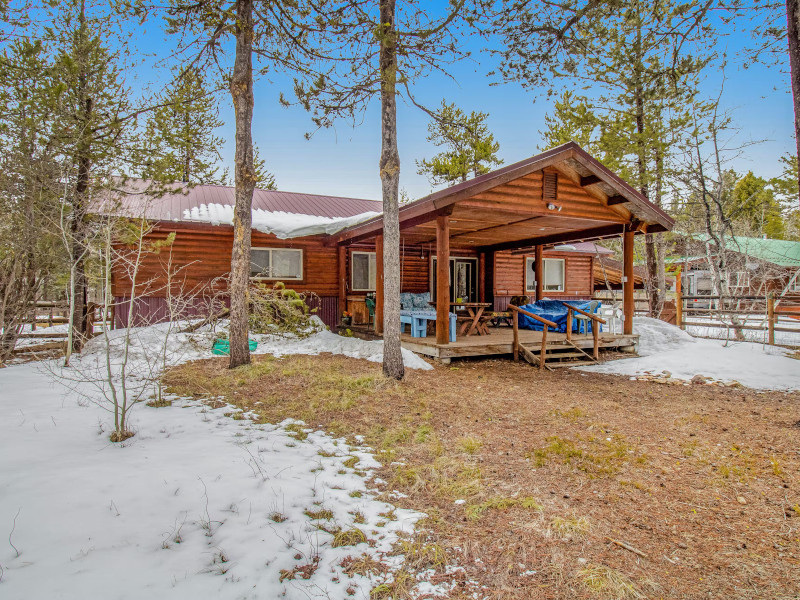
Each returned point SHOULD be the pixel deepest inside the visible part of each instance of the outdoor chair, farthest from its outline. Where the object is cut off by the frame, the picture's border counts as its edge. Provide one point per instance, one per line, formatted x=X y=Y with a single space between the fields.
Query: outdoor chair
x=370 y=302
x=582 y=322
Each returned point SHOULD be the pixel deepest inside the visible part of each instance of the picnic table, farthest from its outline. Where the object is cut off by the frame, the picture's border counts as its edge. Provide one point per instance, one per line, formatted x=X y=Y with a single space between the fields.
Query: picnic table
x=475 y=321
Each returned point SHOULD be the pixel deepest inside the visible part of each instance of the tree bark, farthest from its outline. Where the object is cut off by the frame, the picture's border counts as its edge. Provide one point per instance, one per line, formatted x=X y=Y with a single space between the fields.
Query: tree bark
x=242 y=94
x=78 y=225
x=390 y=183
x=792 y=34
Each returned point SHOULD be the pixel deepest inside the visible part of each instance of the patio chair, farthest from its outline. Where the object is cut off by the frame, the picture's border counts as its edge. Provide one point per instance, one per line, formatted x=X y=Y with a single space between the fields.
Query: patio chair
x=582 y=321
x=370 y=302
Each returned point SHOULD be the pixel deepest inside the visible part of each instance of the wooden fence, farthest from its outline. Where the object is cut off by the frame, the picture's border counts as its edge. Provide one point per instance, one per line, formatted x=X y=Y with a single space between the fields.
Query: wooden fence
x=739 y=314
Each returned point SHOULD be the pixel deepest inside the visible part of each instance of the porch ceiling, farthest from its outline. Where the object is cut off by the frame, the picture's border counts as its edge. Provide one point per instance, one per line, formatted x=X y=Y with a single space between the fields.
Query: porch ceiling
x=509 y=209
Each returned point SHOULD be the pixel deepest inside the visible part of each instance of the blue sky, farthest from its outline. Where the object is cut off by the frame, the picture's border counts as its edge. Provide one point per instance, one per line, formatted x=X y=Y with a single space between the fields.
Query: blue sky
x=343 y=161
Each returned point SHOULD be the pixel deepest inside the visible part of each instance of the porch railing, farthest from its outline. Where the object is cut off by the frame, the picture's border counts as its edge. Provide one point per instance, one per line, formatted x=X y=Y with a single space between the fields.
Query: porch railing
x=517 y=347
x=596 y=322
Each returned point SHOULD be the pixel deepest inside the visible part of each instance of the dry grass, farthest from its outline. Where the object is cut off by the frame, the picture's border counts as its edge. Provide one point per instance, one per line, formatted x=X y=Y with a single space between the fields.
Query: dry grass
x=702 y=480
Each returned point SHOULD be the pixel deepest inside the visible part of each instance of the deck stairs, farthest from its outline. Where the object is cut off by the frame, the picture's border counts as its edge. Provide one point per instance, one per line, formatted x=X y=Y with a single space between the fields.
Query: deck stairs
x=558 y=354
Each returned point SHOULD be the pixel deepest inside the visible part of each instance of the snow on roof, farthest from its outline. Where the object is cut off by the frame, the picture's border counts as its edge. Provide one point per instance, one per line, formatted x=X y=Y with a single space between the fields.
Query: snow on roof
x=283 y=225
x=582 y=247
x=286 y=214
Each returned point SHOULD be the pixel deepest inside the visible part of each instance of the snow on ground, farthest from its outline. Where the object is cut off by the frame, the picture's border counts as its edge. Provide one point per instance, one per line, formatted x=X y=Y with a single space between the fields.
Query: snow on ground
x=197 y=504
x=284 y=225
x=666 y=348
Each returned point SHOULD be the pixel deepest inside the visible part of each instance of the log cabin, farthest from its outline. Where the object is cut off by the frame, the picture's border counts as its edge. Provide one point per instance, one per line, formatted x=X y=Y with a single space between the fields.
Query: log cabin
x=520 y=230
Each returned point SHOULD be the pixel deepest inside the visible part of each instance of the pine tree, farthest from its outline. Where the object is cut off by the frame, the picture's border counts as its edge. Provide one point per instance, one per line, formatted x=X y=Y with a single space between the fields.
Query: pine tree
x=95 y=132
x=639 y=58
x=181 y=145
x=753 y=203
x=30 y=251
x=265 y=180
x=470 y=147
x=379 y=56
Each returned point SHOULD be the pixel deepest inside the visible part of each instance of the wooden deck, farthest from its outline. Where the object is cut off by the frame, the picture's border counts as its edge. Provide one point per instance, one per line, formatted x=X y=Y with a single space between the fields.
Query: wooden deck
x=499 y=341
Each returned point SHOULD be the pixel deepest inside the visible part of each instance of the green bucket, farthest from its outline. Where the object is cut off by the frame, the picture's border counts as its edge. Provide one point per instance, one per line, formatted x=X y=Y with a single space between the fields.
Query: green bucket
x=223 y=347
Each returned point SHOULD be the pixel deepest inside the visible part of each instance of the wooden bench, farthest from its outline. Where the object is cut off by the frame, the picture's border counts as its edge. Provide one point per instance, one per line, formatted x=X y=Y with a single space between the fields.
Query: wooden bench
x=418 y=323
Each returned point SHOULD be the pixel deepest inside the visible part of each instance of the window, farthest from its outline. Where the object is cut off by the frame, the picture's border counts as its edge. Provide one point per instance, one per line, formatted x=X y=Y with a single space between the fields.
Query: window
x=530 y=274
x=276 y=263
x=741 y=280
x=553 y=275
x=362 y=271
x=795 y=285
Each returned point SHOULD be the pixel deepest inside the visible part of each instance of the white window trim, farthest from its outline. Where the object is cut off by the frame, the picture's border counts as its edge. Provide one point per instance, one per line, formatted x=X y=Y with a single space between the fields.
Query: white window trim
x=353 y=287
x=742 y=280
x=264 y=278
x=528 y=288
x=563 y=274
x=795 y=287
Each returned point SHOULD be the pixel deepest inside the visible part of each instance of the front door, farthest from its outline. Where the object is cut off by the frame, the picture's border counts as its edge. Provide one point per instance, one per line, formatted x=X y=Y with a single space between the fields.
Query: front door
x=463 y=279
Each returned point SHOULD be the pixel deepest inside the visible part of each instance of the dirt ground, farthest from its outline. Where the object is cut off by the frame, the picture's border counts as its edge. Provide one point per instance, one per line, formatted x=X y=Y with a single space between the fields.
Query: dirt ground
x=558 y=485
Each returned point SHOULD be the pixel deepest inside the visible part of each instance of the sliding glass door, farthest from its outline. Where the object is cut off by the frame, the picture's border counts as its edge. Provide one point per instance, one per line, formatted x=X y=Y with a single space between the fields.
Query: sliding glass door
x=463 y=279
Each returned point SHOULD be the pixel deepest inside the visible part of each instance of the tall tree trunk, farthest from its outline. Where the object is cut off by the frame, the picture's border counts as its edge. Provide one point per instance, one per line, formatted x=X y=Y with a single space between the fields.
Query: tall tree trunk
x=390 y=182
x=78 y=233
x=242 y=94
x=793 y=33
x=651 y=259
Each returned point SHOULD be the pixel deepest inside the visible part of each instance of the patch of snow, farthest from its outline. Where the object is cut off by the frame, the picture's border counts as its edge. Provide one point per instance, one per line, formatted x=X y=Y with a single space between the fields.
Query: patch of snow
x=284 y=225
x=326 y=341
x=196 y=505
x=664 y=347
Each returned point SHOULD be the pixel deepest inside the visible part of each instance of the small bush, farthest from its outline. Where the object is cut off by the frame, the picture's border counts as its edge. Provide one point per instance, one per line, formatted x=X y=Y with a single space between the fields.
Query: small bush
x=280 y=311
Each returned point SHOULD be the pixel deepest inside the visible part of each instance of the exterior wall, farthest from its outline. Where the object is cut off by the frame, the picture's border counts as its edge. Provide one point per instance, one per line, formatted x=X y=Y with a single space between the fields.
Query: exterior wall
x=200 y=255
x=509 y=279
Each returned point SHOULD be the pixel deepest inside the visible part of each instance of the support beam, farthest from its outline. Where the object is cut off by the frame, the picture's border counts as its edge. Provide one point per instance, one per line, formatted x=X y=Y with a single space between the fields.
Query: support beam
x=482 y=277
x=611 y=230
x=342 y=276
x=627 y=284
x=617 y=200
x=442 y=279
x=590 y=180
x=379 y=284
x=538 y=267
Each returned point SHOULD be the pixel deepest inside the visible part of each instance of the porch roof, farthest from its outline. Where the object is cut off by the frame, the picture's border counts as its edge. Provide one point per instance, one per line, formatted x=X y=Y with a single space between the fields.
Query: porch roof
x=517 y=206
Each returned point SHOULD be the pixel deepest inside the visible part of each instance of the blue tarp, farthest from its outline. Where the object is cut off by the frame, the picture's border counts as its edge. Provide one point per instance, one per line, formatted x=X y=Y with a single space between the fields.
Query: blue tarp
x=552 y=310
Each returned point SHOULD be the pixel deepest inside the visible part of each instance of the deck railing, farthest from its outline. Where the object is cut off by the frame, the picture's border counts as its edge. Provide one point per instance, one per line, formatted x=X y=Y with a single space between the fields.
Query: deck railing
x=596 y=322
x=517 y=347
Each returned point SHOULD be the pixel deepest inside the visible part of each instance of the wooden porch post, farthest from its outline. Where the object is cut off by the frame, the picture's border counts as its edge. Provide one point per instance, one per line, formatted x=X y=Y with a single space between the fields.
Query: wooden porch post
x=379 y=284
x=538 y=266
x=442 y=279
x=627 y=285
x=482 y=277
x=678 y=301
x=342 y=282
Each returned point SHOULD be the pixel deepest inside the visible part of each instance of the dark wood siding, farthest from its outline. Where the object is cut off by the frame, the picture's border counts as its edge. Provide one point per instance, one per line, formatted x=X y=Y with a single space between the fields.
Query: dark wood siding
x=203 y=254
x=510 y=275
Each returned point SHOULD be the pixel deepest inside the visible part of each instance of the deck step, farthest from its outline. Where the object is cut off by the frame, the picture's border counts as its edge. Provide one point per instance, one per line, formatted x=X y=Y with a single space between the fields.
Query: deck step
x=570 y=363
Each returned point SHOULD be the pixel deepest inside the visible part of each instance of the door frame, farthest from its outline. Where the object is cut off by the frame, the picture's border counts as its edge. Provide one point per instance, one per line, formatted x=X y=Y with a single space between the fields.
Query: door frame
x=453 y=259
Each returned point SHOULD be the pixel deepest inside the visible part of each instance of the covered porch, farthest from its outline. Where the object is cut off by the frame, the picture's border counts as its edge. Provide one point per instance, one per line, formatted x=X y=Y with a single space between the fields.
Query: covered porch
x=525 y=209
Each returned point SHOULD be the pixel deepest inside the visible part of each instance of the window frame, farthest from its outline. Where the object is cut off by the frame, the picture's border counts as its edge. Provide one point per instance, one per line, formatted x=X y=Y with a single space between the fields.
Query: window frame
x=563 y=262
x=271 y=250
x=528 y=261
x=795 y=287
x=353 y=287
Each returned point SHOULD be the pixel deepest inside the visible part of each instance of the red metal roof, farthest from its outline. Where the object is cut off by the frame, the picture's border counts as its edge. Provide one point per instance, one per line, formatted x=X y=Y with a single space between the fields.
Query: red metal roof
x=169 y=202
